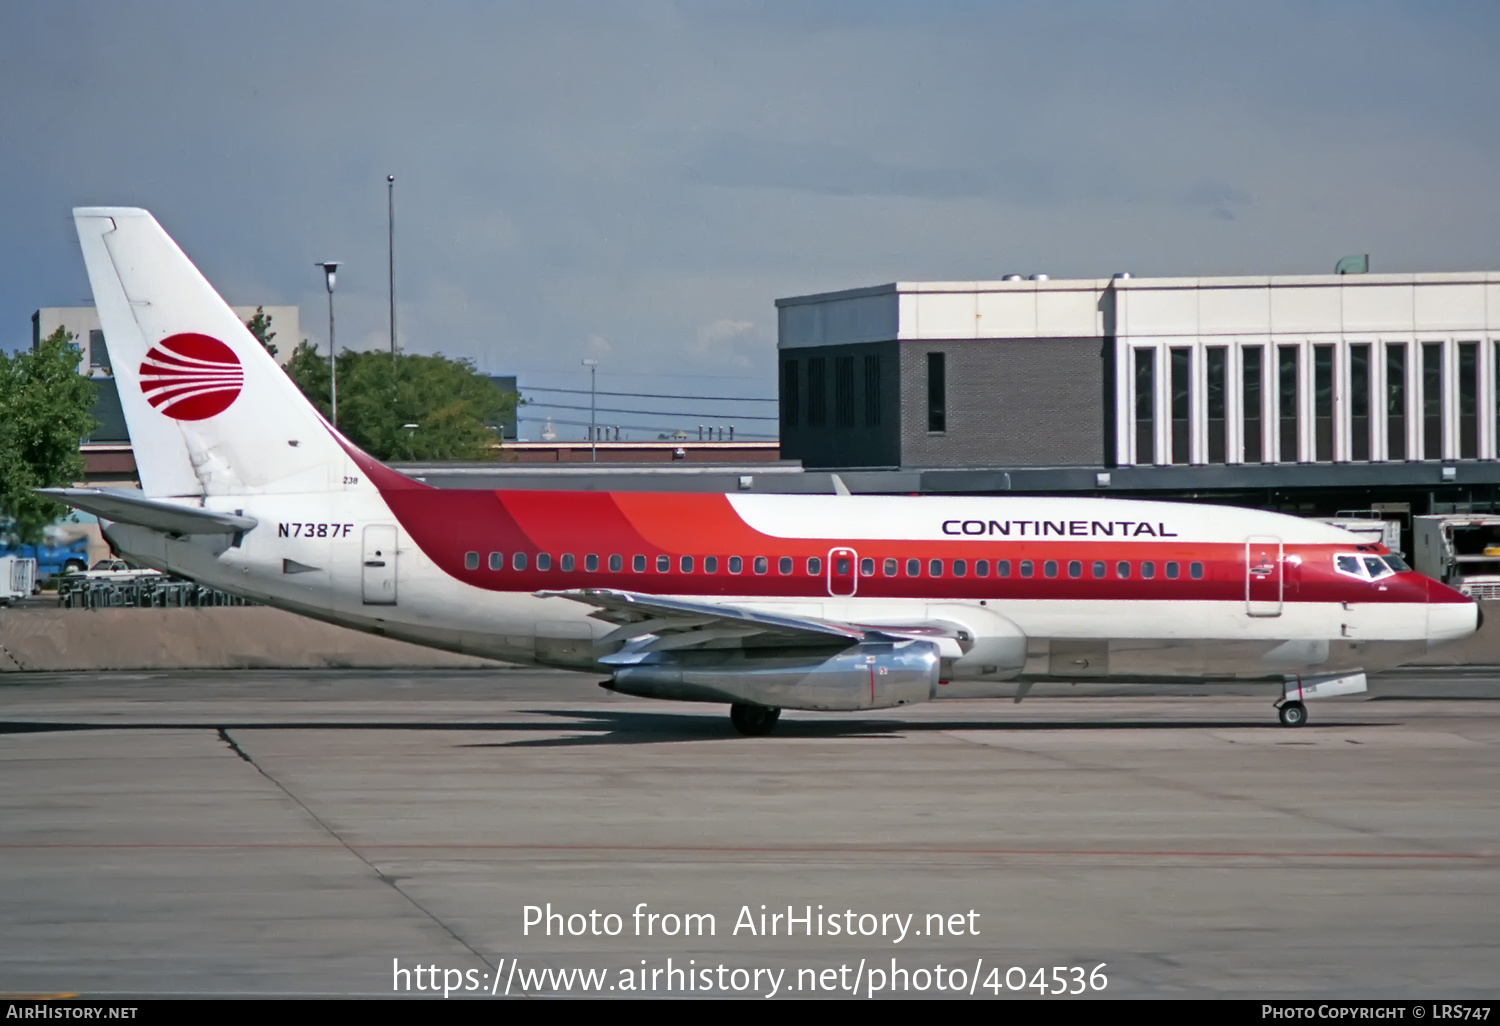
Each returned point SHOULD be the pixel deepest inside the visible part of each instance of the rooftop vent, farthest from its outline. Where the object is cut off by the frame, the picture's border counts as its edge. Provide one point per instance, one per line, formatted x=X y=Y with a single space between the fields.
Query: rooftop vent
x=1038 y=277
x=1120 y=275
x=1011 y=277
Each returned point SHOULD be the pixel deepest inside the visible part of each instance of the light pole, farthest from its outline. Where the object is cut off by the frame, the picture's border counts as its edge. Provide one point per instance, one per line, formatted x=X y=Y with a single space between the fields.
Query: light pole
x=592 y=365
x=390 y=192
x=330 y=276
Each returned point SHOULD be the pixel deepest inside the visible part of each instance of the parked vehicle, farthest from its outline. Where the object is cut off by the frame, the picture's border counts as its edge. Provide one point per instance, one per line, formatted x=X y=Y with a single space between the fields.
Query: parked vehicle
x=52 y=558
x=116 y=570
x=1460 y=549
x=17 y=578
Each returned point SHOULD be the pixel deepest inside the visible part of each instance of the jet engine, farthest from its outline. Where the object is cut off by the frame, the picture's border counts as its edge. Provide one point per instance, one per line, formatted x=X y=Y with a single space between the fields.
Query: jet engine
x=868 y=675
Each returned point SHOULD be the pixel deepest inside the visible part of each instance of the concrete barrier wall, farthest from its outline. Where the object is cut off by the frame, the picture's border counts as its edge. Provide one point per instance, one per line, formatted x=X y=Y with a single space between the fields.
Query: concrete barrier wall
x=198 y=639
x=259 y=637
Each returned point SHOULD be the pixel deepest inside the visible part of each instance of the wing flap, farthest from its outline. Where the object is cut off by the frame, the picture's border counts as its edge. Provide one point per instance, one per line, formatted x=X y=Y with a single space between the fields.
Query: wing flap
x=134 y=508
x=638 y=615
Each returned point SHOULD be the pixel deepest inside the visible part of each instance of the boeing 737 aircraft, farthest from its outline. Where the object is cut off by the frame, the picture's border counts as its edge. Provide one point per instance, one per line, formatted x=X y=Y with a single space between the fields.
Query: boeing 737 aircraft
x=762 y=602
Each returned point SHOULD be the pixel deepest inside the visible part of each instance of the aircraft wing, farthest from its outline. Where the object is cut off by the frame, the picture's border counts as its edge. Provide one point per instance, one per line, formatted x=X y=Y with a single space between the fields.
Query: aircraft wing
x=134 y=508
x=683 y=623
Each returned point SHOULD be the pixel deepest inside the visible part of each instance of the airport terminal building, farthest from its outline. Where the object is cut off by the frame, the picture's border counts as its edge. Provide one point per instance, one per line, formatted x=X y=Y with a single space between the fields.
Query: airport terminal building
x=1356 y=383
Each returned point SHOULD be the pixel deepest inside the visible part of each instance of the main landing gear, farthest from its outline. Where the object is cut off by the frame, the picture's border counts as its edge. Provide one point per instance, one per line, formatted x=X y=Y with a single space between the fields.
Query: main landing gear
x=753 y=720
x=1293 y=714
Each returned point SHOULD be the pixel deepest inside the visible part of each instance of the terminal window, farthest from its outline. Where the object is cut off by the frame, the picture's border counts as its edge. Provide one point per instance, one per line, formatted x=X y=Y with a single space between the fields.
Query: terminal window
x=937 y=393
x=1468 y=400
x=817 y=397
x=1182 y=364
x=1323 y=403
x=1359 y=402
x=1286 y=374
x=1217 y=361
x=1251 y=403
x=1432 y=400
x=789 y=394
x=1395 y=400
x=843 y=391
x=872 y=391
x=1145 y=392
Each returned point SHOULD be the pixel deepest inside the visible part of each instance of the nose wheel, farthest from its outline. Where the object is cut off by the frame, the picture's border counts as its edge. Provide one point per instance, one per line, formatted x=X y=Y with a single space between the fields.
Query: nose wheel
x=753 y=720
x=1293 y=714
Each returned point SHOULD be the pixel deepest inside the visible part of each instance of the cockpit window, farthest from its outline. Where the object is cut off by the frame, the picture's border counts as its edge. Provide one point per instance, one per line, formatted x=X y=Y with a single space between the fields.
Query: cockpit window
x=1349 y=565
x=1396 y=563
x=1377 y=568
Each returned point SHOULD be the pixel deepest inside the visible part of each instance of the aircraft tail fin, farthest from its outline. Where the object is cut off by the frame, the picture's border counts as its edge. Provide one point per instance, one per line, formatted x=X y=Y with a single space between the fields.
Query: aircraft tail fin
x=208 y=409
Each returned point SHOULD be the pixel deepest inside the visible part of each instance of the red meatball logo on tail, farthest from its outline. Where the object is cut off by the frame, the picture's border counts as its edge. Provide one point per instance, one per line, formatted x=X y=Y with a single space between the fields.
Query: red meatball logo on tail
x=191 y=376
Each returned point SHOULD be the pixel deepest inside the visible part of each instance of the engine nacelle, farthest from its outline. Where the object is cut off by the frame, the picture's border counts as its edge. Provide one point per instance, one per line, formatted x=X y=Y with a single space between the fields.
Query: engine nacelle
x=870 y=675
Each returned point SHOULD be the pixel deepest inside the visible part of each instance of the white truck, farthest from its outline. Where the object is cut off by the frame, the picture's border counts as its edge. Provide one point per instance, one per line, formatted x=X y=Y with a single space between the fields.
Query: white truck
x=1460 y=549
x=17 y=578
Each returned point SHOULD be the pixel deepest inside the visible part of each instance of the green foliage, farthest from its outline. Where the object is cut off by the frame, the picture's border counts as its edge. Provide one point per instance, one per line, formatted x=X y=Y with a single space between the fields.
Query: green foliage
x=260 y=327
x=448 y=400
x=44 y=413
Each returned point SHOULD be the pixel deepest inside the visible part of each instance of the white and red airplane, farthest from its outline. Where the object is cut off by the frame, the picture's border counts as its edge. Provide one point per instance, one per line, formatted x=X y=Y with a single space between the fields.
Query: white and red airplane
x=762 y=602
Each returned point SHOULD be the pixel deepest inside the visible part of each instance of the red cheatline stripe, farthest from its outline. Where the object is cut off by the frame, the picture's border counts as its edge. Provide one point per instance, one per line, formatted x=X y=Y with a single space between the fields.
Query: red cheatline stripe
x=775 y=849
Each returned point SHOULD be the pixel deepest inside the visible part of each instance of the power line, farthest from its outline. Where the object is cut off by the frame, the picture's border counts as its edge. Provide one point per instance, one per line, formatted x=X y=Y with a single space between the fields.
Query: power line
x=650 y=413
x=650 y=395
x=741 y=436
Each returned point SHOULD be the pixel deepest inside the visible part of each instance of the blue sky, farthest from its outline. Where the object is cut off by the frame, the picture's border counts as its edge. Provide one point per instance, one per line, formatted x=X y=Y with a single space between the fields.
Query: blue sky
x=638 y=182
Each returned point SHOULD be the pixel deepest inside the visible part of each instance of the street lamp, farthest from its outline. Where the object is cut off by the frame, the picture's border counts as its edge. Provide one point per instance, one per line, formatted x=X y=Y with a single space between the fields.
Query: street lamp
x=330 y=276
x=592 y=365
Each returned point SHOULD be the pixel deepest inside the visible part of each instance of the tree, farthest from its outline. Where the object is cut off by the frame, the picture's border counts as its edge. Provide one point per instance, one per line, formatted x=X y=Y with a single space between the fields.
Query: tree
x=44 y=414
x=260 y=327
x=449 y=401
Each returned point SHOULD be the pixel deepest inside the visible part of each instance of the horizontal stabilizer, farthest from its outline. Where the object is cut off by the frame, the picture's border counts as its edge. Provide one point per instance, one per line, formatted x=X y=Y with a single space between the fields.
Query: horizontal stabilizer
x=134 y=508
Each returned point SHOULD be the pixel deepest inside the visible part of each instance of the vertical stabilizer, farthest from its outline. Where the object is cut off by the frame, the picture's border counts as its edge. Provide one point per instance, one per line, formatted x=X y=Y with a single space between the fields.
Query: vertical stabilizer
x=209 y=411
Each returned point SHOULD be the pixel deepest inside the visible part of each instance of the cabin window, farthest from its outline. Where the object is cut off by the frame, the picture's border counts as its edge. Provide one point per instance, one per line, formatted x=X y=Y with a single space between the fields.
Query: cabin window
x=1075 y=568
x=566 y=562
x=1195 y=571
x=736 y=564
x=663 y=564
x=497 y=561
x=1099 y=569
x=710 y=564
x=1122 y=570
x=1026 y=568
x=685 y=564
x=960 y=567
x=543 y=561
x=935 y=567
x=981 y=568
x=784 y=565
x=1171 y=570
x=1002 y=568
x=814 y=566
x=1049 y=568
x=591 y=562
x=638 y=564
x=616 y=563
x=471 y=561
x=867 y=567
x=889 y=568
x=914 y=568
x=1148 y=569
x=518 y=561
x=762 y=564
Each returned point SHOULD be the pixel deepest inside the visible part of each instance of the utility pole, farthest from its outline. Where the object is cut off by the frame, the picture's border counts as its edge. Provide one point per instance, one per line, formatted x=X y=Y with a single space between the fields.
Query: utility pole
x=330 y=272
x=592 y=365
x=390 y=194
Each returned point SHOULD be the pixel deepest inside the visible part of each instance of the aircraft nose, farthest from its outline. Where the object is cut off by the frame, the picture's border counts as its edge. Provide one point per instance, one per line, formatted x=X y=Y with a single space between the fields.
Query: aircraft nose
x=1451 y=615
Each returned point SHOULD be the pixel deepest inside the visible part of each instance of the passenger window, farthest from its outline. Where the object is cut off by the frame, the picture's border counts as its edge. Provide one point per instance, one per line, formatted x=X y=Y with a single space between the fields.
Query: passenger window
x=784 y=565
x=1098 y=569
x=1195 y=570
x=935 y=567
x=867 y=567
x=663 y=564
x=615 y=564
x=471 y=561
x=1172 y=570
x=981 y=568
x=1026 y=568
x=638 y=564
x=710 y=564
x=543 y=561
x=736 y=564
x=814 y=566
x=1122 y=570
x=497 y=561
x=960 y=567
x=762 y=564
x=1148 y=569
x=566 y=563
x=1002 y=568
x=914 y=568
x=1050 y=568
x=591 y=562
x=1075 y=568
x=888 y=568
x=685 y=564
x=518 y=561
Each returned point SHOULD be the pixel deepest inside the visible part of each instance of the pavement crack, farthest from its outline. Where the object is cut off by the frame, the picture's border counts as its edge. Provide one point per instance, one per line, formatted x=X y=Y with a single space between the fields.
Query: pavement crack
x=390 y=881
